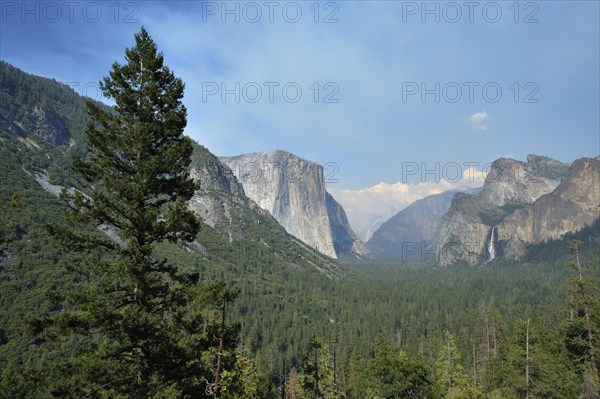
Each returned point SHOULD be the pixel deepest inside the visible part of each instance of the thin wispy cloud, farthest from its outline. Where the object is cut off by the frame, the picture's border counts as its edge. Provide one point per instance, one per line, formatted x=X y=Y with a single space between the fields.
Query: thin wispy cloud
x=478 y=121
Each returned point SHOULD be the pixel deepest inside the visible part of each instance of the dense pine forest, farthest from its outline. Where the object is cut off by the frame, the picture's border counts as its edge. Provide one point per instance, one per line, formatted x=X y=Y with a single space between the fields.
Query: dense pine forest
x=142 y=313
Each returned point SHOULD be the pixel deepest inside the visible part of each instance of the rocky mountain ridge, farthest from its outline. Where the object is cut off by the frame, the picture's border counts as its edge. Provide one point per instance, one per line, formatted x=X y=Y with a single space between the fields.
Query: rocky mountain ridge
x=571 y=206
x=521 y=203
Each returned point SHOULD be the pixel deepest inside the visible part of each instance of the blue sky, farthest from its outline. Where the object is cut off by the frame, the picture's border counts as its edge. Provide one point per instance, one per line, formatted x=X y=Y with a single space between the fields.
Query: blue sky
x=370 y=57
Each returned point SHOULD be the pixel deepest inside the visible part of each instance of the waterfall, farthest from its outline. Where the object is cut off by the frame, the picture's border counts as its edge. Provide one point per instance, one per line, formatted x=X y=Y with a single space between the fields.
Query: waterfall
x=491 y=247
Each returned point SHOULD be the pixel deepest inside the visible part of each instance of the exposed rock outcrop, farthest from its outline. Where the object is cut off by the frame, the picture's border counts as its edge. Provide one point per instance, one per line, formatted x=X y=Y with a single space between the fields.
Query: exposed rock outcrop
x=510 y=185
x=220 y=194
x=222 y=204
x=573 y=205
x=39 y=112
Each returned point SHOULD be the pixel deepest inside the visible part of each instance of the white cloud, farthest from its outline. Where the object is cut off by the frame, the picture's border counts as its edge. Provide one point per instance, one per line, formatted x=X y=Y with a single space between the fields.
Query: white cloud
x=367 y=208
x=478 y=121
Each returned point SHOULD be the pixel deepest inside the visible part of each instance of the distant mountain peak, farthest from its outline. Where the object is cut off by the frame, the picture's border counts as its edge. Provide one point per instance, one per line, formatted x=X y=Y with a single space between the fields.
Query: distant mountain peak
x=408 y=234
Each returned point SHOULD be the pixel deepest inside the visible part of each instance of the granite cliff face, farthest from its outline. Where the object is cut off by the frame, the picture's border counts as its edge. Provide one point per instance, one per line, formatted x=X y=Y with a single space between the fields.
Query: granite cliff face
x=515 y=182
x=573 y=205
x=292 y=189
x=521 y=203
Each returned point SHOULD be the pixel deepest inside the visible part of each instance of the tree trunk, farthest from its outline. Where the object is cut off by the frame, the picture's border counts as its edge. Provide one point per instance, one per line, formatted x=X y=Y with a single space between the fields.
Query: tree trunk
x=474 y=367
x=283 y=380
x=220 y=353
x=527 y=362
x=317 y=372
x=590 y=334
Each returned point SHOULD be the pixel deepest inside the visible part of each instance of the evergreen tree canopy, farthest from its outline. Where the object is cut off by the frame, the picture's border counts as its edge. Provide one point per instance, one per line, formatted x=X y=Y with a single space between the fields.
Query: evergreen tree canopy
x=393 y=375
x=317 y=379
x=137 y=184
x=582 y=328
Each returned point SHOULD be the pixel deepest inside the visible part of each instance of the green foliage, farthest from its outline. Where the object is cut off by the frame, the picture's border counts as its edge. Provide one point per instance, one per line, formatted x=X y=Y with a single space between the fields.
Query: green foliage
x=356 y=377
x=582 y=328
x=451 y=375
x=448 y=368
x=136 y=180
x=317 y=379
x=14 y=202
x=393 y=375
x=551 y=372
x=242 y=381
x=283 y=303
x=6 y=228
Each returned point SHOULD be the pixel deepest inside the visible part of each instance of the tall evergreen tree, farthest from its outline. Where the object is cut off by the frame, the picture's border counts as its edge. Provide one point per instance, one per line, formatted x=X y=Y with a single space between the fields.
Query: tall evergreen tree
x=451 y=375
x=448 y=367
x=355 y=384
x=136 y=186
x=317 y=380
x=293 y=390
x=582 y=327
x=531 y=362
x=393 y=375
x=5 y=227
